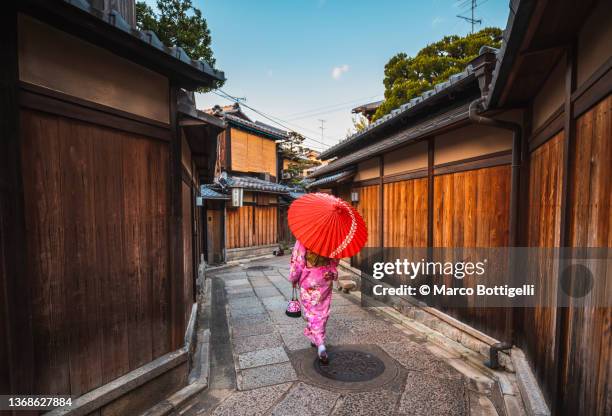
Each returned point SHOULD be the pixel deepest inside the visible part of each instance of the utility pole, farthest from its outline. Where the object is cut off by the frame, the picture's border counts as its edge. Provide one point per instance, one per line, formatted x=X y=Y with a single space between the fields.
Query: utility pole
x=322 y=128
x=471 y=19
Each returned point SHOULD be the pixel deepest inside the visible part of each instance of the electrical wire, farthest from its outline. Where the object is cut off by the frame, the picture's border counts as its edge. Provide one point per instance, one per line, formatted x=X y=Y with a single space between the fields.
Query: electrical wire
x=319 y=109
x=266 y=116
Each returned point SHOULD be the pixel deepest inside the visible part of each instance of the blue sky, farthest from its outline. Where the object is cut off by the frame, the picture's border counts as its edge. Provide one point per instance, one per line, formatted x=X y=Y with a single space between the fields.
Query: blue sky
x=281 y=54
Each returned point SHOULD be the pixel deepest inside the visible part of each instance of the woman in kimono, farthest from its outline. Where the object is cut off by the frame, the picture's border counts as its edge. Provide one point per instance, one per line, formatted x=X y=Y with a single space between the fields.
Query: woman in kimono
x=314 y=275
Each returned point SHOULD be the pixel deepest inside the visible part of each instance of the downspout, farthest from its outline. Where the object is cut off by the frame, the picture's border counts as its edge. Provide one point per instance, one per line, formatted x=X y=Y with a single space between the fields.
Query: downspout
x=517 y=132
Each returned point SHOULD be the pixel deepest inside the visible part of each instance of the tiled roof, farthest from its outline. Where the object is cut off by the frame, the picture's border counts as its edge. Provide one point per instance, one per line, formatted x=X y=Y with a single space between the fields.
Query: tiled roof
x=253 y=184
x=257 y=127
x=210 y=191
x=441 y=89
x=296 y=195
x=114 y=18
x=405 y=136
x=332 y=178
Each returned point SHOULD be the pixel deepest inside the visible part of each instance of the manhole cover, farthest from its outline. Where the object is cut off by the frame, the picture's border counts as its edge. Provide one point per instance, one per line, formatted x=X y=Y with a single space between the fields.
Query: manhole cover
x=259 y=268
x=350 y=366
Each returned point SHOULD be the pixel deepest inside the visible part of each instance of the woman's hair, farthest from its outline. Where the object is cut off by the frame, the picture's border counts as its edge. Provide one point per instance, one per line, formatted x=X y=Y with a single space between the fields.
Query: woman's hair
x=316 y=260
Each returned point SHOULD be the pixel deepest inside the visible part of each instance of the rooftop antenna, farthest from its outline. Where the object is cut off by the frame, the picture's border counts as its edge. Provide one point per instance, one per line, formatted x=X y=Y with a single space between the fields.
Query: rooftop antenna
x=471 y=19
x=322 y=127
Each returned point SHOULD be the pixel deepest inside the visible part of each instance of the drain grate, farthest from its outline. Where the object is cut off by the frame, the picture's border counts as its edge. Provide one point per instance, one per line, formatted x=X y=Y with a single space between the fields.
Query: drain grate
x=350 y=366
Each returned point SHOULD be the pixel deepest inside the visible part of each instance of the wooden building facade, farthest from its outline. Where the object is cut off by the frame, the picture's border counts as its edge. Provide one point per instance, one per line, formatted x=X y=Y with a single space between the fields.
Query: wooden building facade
x=437 y=173
x=243 y=202
x=96 y=213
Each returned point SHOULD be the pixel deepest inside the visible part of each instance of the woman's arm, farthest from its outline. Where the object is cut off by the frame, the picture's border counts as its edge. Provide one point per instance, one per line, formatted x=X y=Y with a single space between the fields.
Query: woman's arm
x=297 y=262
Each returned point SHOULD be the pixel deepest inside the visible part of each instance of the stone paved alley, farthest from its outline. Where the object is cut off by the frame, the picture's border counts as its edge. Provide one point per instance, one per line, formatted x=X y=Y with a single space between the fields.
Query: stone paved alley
x=262 y=364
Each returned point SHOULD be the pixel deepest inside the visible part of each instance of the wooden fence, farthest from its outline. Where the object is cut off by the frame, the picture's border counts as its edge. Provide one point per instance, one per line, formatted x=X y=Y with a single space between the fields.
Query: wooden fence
x=250 y=226
x=97 y=237
x=471 y=209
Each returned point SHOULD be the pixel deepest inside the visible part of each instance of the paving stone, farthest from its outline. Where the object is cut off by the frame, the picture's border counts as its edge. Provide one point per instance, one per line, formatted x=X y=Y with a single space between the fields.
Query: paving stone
x=306 y=400
x=244 y=302
x=233 y=293
x=251 y=310
x=267 y=292
x=260 y=281
x=256 y=342
x=414 y=357
x=244 y=321
x=275 y=303
x=237 y=282
x=258 y=358
x=367 y=337
x=295 y=341
x=432 y=396
x=285 y=290
x=366 y=404
x=254 y=273
x=254 y=329
x=251 y=402
x=268 y=375
x=349 y=324
x=231 y=275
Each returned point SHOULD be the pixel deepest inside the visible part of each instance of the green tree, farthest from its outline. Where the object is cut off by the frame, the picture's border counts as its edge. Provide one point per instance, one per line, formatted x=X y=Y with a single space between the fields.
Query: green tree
x=292 y=148
x=359 y=123
x=407 y=77
x=178 y=23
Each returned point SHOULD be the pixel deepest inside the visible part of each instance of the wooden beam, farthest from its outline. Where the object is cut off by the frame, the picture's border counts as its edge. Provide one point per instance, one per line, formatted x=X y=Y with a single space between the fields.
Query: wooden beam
x=177 y=276
x=381 y=201
x=15 y=311
x=569 y=138
x=472 y=163
x=430 y=193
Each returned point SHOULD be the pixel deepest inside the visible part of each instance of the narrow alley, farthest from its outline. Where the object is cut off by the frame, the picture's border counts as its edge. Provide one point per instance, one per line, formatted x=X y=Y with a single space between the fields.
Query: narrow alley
x=261 y=363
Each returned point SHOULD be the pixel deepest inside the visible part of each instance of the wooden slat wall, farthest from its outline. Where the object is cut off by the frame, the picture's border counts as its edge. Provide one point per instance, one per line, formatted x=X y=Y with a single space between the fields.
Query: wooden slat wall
x=250 y=226
x=252 y=153
x=543 y=230
x=405 y=213
x=97 y=227
x=188 y=281
x=471 y=210
x=368 y=207
x=587 y=375
x=369 y=210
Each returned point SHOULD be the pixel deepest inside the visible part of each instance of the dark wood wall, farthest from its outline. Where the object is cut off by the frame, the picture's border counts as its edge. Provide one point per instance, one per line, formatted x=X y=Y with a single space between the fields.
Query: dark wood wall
x=587 y=367
x=96 y=205
x=251 y=226
x=543 y=221
x=188 y=245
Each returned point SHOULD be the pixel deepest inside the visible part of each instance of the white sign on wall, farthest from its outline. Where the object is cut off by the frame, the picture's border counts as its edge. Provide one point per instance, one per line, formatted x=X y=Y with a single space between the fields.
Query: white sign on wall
x=237 y=197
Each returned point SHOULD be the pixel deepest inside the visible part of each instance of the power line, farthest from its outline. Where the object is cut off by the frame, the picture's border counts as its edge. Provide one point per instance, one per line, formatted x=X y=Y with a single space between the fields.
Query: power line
x=322 y=127
x=471 y=19
x=318 y=109
x=270 y=118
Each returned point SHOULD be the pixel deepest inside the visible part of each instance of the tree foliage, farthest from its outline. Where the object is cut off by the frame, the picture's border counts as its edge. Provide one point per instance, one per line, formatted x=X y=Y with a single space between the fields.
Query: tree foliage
x=293 y=148
x=178 y=22
x=407 y=77
x=359 y=123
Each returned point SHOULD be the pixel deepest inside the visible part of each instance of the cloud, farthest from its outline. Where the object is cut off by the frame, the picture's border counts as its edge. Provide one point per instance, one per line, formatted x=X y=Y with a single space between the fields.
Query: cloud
x=437 y=20
x=337 y=71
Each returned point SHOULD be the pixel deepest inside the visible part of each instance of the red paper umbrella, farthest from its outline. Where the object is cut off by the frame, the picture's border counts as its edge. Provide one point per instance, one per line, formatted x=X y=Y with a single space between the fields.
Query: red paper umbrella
x=327 y=225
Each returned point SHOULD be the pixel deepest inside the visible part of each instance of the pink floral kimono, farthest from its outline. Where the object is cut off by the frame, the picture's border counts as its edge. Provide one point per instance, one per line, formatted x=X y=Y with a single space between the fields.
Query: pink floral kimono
x=315 y=285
